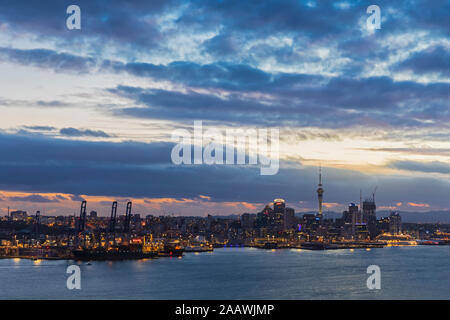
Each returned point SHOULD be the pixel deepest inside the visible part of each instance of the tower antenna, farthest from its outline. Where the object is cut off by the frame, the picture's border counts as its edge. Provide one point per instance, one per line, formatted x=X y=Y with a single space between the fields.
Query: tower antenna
x=360 y=206
x=320 y=174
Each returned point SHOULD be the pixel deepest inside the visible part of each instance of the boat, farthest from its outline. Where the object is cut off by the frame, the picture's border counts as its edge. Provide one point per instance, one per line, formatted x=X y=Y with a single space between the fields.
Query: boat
x=114 y=253
x=197 y=248
x=396 y=240
x=313 y=246
x=171 y=250
x=430 y=242
x=111 y=254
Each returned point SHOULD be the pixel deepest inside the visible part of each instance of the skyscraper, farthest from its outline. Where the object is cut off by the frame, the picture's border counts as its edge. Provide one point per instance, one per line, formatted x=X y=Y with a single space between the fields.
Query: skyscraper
x=395 y=223
x=320 y=192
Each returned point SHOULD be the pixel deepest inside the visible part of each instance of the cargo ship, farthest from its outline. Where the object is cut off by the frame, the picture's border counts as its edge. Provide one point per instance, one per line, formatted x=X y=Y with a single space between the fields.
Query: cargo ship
x=171 y=249
x=118 y=253
x=136 y=249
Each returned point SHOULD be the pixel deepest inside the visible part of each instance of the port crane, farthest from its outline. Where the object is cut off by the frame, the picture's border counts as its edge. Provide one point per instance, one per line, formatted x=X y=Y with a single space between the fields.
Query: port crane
x=126 y=225
x=112 y=222
x=36 y=226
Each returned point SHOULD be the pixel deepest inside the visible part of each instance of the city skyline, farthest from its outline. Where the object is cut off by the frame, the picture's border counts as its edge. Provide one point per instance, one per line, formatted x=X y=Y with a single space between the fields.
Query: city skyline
x=88 y=114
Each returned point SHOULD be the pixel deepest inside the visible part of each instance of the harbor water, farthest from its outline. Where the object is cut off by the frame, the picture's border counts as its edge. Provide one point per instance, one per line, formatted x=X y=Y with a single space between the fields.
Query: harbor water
x=418 y=272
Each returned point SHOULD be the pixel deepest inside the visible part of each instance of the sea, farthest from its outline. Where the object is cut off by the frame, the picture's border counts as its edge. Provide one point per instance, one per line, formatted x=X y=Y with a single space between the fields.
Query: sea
x=416 y=272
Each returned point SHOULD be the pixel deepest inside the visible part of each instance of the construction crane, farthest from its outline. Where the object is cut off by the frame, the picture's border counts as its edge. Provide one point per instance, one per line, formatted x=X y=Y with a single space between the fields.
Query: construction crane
x=112 y=222
x=373 y=194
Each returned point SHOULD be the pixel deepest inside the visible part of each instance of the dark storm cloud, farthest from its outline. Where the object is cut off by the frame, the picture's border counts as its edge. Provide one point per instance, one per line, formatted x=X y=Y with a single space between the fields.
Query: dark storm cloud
x=72 y=132
x=145 y=170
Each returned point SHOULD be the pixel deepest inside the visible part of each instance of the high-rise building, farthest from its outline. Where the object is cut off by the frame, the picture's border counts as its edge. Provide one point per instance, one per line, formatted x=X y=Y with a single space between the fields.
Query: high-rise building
x=279 y=205
x=395 y=223
x=248 y=220
x=354 y=214
x=289 y=218
x=369 y=216
x=19 y=215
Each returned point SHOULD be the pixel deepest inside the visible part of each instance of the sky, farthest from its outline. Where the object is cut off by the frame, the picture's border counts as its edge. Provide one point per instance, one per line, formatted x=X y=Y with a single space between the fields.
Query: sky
x=89 y=114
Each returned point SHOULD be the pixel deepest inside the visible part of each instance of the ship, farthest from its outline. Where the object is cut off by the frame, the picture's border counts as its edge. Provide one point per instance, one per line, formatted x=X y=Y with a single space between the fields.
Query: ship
x=313 y=246
x=134 y=250
x=395 y=240
x=113 y=253
x=199 y=248
x=171 y=249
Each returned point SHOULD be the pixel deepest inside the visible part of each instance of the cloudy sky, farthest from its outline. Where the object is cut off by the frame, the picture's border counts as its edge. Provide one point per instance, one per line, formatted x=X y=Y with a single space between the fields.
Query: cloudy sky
x=88 y=114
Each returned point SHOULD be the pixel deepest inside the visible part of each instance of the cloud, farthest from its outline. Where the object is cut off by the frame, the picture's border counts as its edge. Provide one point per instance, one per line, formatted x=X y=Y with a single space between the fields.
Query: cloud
x=72 y=132
x=241 y=93
x=44 y=58
x=414 y=151
x=119 y=22
x=435 y=59
x=221 y=45
x=76 y=197
x=33 y=198
x=420 y=205
x=40 y=128
x=136 y=170
x=431 y=167
x=290 y=64
x=340 y=102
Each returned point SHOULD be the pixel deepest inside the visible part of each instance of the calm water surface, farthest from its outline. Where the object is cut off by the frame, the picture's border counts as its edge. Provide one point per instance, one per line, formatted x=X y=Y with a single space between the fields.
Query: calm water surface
x=420 y=272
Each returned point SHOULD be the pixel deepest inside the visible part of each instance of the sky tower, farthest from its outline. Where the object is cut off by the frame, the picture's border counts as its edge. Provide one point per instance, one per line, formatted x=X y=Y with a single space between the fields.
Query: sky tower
x=320 y=192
